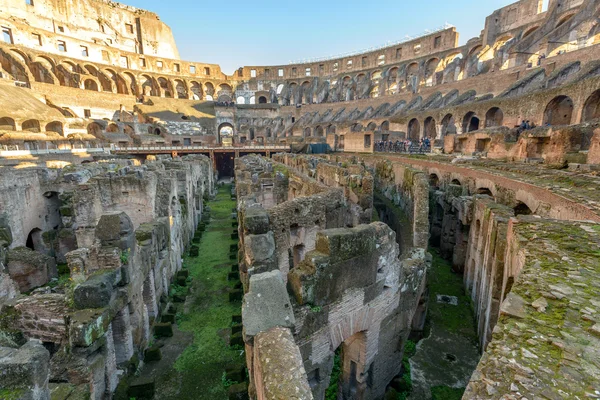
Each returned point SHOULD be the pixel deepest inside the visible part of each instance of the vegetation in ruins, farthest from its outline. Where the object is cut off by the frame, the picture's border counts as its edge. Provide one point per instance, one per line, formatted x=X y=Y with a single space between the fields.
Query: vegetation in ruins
x=332 y=390
x=207 y=313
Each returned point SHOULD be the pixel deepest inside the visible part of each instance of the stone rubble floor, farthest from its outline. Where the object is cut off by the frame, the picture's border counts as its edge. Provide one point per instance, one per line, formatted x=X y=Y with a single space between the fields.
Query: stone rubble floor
x=449 y=355
x=198 y=371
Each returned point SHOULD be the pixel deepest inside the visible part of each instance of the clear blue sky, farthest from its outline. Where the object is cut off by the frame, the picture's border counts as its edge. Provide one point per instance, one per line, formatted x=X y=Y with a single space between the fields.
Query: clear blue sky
x=235 y=33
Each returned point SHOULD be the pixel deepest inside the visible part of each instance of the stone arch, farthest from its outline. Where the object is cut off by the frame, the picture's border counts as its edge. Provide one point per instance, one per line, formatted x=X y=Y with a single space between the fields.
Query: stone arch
x=181 y=89
x=412 y=77
x=7 y=124
x=434 y=181
x=431 y=69
x=414 y=130
x=241 y=100
x=529 y=31
x=16 y=65
x=356 y=127
x=472 y=67
x=305 y=93
x=262 y=100
x=307 y=132
x=453 y=67
x=31 y=125
x=35 y=241
x=559 y=111
x=131 y=82
x=90 y=84
x=95 y=129
x=209 y=89
x=331 y=130
x=522 y=209
x=470 y=122
x=165 y=86
x=117 y=81
x=148 y=86
x=372 y=126
x=112 y=128
x=385 y=126
x=448 y=125
x=456 y=182
x=591 y=108
x=564 y=19
x=252 y=100
x=196 y=89
x=494 y=117
x=42 y=70
x=68 y=74
x=430 y=128
x=55 y=126
x=103 y=80
x=225 y=129
x=225 y=93
x=392 y=81
x=319 y=132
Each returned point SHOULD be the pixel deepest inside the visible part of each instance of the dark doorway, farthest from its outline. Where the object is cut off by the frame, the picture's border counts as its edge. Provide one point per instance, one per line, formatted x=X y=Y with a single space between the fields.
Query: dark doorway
x=225 y=164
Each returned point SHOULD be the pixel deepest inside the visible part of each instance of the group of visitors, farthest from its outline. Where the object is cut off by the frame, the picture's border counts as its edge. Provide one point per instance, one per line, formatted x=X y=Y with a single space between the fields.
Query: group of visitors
x=404 y=146
x=525 y=126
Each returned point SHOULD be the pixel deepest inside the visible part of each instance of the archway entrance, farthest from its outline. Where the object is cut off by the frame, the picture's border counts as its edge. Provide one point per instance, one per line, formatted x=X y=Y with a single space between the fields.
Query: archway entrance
x=559 y=111
x=225 y=164
x=226 y=134
x=414 y=130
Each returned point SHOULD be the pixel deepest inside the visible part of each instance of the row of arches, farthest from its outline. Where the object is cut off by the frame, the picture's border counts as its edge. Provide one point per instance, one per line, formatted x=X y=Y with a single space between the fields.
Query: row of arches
x=31 y=125
x=26 y=68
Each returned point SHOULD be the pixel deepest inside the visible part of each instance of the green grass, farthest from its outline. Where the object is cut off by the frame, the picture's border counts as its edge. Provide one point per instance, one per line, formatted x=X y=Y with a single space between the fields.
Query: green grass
x=446 y=393
x=456 y=319
x=332 y=390
x=202 y=364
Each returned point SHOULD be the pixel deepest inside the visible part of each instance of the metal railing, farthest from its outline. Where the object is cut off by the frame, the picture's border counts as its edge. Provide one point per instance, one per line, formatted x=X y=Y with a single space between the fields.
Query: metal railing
x=200 y=148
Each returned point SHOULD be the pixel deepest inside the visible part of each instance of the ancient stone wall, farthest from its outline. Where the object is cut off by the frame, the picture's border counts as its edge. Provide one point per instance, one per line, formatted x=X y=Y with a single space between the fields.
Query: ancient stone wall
x=344 y=284
x=120 y=270
x=547 y=338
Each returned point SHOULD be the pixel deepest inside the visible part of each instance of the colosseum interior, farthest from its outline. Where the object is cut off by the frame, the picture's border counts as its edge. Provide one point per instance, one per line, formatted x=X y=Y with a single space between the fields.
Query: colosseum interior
x=420 y=221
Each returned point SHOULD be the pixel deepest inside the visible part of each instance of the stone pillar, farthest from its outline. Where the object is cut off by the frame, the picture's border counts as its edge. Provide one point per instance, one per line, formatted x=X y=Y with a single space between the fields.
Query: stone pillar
x=110 y=365
x=149 y=295
x=122 y=336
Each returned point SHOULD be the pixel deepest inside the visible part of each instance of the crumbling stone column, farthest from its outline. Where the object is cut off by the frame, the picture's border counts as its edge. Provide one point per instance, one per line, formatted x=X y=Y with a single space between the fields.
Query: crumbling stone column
x=123 y=339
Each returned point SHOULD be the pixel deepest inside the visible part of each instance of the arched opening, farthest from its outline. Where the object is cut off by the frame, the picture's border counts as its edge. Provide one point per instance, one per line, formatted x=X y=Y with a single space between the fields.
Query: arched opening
x=95 y=129
x=226 y=132
x=563 y=20
x=522 y=209
x=470 y=122
x=591 y=109
x=319 y=131
x=331 y=129
x=148 y=86
x=31 y=125
x=455 y=182
x=385 y=126
x=559 y=111
x=90 y=84
x=372 y=126
x=241 y=100
x=448 y=125
x=429 y=128
x=7 y=124
x=252 y=100
x=356 y=128
x=529 y=32
x=55 y=126
x=180 y=89
x=494 y=117
x=112 y=128
x=307 y=132
x=34 y=240
x=414 y=130
x=434 y=181
x=262 y=100
x=196 y=89
x=164 y=85
x=484 y=191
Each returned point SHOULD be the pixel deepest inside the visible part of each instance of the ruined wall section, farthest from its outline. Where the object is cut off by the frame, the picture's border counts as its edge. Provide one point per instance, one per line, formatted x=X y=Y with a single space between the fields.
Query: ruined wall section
x=103 y=318
x=354 y=179
x=547 y=340
x=349 y=288
x=409 y=190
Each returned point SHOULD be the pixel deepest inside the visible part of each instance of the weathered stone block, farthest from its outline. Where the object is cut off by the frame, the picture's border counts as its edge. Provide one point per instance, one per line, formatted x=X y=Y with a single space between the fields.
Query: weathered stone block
x=194 y=251
x=163 y=329
x=256 y=220
x=25 y=371
x=235 y=373
x=97 y=291
x=266 y=304
x=152 y=354
x=142 y=388
x=167 y=318
x=236 y=339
